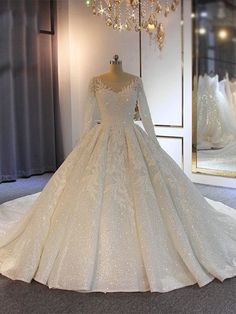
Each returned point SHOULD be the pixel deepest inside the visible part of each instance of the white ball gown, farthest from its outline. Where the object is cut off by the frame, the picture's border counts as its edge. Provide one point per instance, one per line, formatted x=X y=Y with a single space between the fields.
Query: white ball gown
x=119 y=214
x=215 y=123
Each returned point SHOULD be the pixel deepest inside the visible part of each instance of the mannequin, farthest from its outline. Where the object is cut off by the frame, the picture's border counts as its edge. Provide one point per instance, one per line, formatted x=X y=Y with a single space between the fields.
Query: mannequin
x=116 y=78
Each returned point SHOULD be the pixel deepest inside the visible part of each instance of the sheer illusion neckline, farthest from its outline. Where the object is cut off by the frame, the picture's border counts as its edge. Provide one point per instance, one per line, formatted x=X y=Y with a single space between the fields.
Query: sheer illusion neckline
x=125 y=87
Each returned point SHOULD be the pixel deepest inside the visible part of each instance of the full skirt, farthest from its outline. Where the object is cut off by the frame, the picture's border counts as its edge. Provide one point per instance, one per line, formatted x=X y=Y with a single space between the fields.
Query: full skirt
x=118 y=215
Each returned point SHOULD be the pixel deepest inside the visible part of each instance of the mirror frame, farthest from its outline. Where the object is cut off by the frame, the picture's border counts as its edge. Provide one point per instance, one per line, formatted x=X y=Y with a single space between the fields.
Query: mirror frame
x=195 y=55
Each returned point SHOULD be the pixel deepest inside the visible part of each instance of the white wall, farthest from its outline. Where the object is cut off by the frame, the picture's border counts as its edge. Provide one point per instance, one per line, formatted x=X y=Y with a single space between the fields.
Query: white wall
x=162 y=74
x=85 y=48
x=167 y=76
x=92 y=46
x=64 y=79
x=162 y=77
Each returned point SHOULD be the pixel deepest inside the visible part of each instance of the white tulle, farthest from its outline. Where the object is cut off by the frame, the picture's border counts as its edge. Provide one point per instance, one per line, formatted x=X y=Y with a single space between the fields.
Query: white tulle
x=228 y=89
x=119 y=214
x=216 y=126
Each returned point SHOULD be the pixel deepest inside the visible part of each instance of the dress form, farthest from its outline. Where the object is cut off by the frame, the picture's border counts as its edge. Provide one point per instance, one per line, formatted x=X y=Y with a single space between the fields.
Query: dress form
x=116 y=78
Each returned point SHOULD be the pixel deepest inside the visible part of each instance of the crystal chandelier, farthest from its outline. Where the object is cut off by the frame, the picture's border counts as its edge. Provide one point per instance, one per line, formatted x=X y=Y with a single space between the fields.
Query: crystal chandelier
x=135 y=15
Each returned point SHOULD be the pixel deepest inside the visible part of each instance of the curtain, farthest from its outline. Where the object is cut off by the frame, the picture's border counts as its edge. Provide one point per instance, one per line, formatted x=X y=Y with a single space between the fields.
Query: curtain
x=27 y=126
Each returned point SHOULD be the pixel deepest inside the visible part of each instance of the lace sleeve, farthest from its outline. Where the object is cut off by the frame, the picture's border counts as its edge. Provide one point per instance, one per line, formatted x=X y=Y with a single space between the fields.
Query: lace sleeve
x=145 y=112
x=90 y=111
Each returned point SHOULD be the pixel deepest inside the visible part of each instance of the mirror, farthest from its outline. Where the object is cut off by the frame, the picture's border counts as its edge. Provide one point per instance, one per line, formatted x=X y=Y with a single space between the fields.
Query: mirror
x=214 y=87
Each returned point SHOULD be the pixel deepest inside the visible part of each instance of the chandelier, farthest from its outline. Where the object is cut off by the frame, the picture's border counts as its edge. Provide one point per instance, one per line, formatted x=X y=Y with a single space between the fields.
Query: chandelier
x=135 y=15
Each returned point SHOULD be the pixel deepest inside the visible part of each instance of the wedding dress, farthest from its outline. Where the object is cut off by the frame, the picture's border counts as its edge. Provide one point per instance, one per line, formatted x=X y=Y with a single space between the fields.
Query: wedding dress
x=119 y=214
x=223 y=159
x=228 y=88
x=215 y=125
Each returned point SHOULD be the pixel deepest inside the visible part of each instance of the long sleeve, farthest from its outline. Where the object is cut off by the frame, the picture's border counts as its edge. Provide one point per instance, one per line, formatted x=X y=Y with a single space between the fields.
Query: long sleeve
x=145 y=112
x=91 y=110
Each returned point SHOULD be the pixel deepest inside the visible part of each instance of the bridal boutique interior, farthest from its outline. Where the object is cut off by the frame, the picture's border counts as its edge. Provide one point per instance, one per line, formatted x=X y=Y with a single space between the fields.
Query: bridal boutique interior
x=49 y=52
x=214 y=89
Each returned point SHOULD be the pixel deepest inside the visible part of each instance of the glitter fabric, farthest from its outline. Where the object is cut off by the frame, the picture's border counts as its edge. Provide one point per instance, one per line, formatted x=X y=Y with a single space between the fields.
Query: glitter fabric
x=215 y=123
x=119 y=214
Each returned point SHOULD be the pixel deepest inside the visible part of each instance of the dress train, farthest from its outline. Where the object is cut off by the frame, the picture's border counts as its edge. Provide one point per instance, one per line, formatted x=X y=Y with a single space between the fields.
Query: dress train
x=119 y=214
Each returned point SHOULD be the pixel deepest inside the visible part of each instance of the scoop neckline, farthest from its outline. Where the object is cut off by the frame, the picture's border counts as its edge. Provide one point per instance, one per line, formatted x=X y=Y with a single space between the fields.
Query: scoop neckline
x=129 y=85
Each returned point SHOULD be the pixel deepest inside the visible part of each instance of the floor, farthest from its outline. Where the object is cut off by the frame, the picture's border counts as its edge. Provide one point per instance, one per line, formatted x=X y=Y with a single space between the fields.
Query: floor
x=211 y=166
x=22 y=187
x=23 y=298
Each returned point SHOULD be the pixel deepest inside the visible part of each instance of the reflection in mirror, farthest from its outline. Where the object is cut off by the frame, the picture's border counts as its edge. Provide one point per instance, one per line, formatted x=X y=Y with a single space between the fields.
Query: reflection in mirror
x=214 y=87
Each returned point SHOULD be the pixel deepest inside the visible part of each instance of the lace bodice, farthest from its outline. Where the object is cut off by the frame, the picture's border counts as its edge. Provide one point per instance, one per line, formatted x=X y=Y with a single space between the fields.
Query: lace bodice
x=116 y=109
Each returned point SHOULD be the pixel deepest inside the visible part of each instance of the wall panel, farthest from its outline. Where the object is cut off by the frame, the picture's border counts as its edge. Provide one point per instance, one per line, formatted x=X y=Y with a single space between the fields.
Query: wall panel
x=174 y=147
x=92 y=46
x=162 y=74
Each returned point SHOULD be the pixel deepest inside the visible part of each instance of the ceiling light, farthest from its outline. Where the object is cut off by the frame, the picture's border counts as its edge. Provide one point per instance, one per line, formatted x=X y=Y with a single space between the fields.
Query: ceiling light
x=202 y=31
x=204 y=14
x=124 y=15
x=223 y=34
